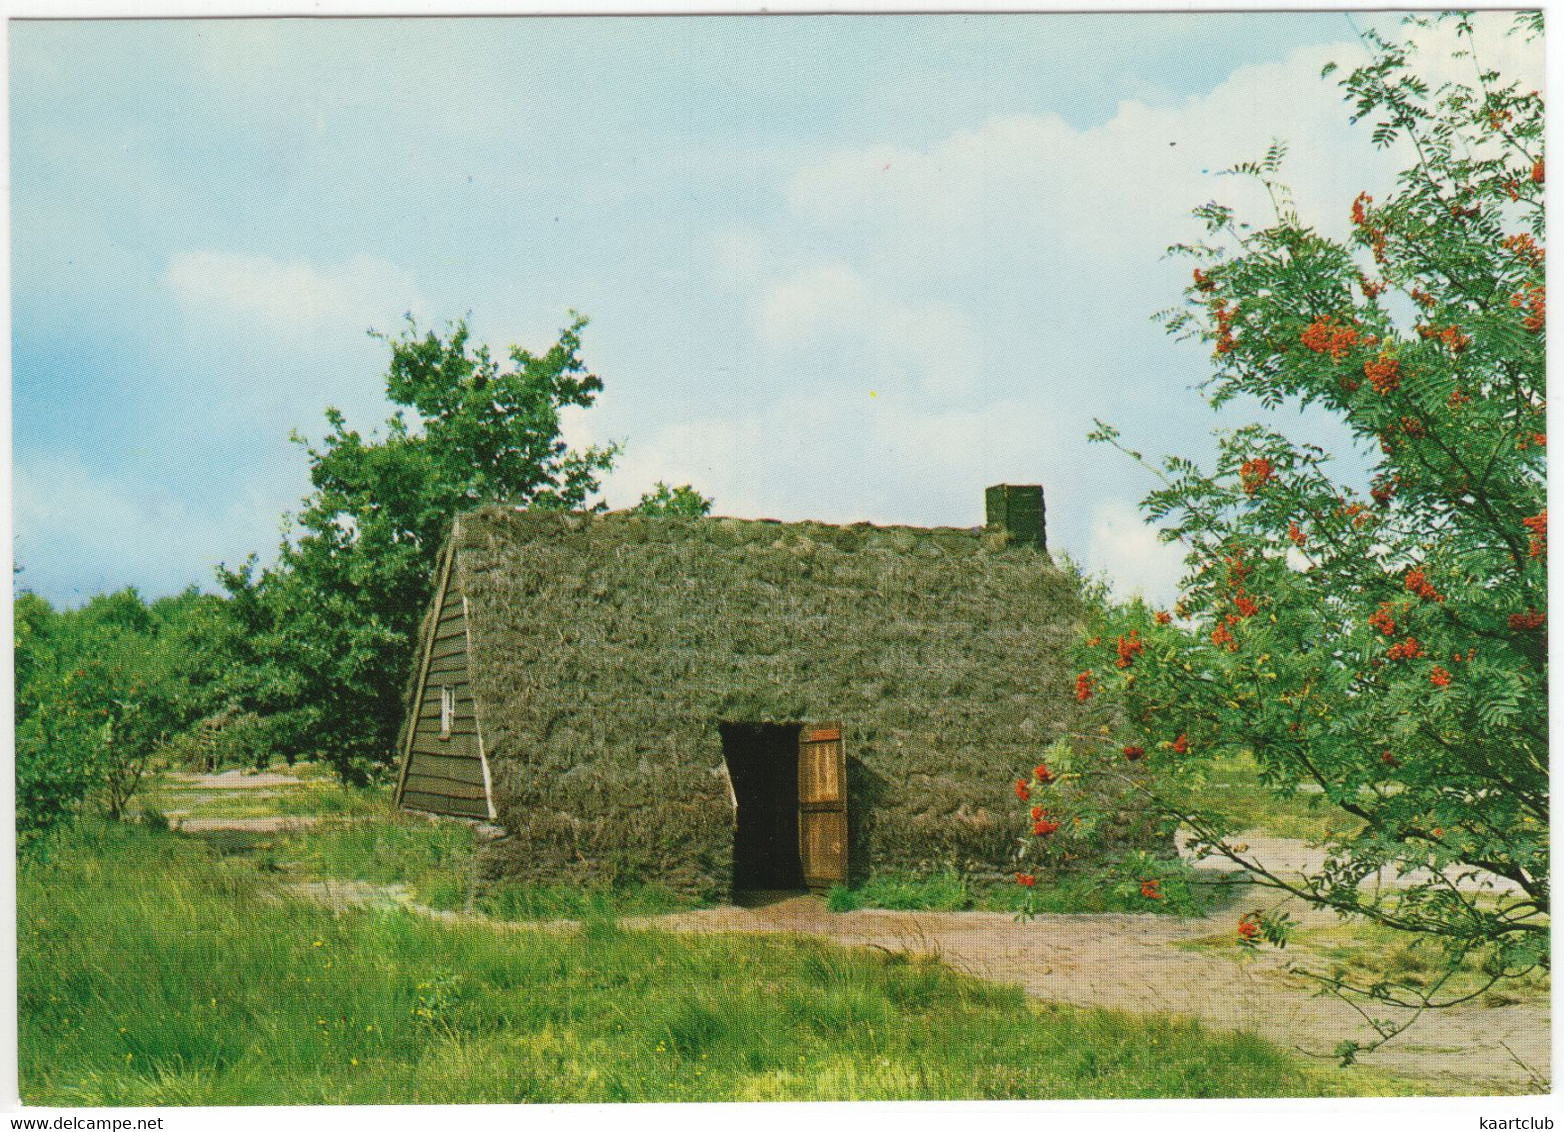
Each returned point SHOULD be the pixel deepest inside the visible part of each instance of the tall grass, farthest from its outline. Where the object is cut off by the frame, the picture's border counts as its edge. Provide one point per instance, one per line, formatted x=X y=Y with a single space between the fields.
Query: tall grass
x=402 y=849
x=154 y=972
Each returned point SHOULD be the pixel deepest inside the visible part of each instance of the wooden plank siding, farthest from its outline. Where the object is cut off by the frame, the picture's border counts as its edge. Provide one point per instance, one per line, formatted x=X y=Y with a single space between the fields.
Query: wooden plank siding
x=443 y=772
x=453 y=767
x=441 y=804
x=445 y=787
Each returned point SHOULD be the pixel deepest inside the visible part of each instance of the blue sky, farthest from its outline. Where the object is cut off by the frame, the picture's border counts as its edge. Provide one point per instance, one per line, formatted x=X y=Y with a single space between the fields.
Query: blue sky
x=837 y=267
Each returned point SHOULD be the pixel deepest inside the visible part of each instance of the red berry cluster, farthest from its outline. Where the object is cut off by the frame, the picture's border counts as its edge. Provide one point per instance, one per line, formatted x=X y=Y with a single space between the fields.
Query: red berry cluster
x=1450 y=335
x=1383 y=619
x=1409 y=649
x=1525 y=248
x=1534 y=297
x=1417 y=581
x=1323 y=336
x=1360 y=209
x=1129 y=648
x=1043 y=827
x=1225 y=342
x=1384 y=374
x=1255 y=474
x=1042 y=824
x=1538 y=526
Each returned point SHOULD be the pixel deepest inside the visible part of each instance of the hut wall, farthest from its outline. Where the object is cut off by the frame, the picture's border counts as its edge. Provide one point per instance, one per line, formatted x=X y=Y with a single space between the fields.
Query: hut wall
x=610 y=649
x=445 y=772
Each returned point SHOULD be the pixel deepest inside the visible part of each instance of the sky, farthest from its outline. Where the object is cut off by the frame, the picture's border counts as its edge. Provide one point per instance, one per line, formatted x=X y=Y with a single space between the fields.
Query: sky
x=837 y=267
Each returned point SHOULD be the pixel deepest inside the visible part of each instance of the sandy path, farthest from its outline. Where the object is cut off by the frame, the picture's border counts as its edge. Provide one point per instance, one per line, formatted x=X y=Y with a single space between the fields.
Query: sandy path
x=1292 y=860
x=1125 y=962
x=1121 y=962
x=1128 y=962
x=233 y=780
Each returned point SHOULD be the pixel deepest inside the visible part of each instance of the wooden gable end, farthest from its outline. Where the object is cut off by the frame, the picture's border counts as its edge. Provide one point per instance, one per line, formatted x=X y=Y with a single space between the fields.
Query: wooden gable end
x=443 y=765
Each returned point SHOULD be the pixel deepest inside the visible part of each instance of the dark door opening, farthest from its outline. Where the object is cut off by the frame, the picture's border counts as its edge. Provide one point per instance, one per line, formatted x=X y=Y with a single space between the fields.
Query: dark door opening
x=763 y=767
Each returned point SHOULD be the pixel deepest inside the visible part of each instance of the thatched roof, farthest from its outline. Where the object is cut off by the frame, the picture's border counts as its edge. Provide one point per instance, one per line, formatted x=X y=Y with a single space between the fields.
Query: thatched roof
x=607 y=649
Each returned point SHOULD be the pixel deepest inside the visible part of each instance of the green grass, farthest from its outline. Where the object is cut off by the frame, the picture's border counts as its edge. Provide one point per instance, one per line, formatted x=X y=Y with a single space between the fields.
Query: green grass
x=1091 y=892
x=505 y=900
x=1233 y=789
x=403 y=849
x=1365 y=952
x=330 y=798
x=939 y=892
x=154 y=971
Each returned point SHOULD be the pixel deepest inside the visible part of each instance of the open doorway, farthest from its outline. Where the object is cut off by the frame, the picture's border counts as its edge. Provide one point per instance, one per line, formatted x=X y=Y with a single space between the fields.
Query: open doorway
x=762 y=763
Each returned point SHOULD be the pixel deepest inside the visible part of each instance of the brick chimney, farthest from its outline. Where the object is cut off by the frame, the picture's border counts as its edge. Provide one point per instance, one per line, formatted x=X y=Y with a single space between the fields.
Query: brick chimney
x=1017 y=509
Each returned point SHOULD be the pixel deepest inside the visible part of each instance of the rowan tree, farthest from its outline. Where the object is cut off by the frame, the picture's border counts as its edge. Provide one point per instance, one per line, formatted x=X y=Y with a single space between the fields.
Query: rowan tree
x=1379 y=639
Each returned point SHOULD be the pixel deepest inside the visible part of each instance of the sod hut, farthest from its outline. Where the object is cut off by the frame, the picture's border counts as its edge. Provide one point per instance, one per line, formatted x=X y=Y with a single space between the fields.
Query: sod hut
x=720 y=704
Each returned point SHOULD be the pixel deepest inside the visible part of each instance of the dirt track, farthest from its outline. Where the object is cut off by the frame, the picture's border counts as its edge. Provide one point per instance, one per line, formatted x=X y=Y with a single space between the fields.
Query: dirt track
x=1122 y=962
x=1129 y=962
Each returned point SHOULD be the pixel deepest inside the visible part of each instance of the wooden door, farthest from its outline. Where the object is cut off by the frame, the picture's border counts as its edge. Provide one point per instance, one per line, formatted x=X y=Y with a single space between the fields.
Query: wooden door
x=822 y=805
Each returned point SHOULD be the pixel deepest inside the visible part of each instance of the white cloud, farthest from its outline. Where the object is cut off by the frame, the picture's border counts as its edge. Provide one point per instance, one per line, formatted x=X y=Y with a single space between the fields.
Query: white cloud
x=78 y=533
x=830 y=296
x=294 y=295
x=847 y=457
x=991 y=286
x=1126 y=548
x=933 y=344
x=744 y=258
x=1113 y=196
x=1108 y=197
x=994 y=287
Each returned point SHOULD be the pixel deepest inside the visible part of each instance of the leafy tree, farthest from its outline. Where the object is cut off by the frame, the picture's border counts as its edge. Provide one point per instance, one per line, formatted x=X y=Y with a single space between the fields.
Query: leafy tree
x=100 y=691
x=50 y=777
x=326 y=635
x=682 y=502
x=1386 y=648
